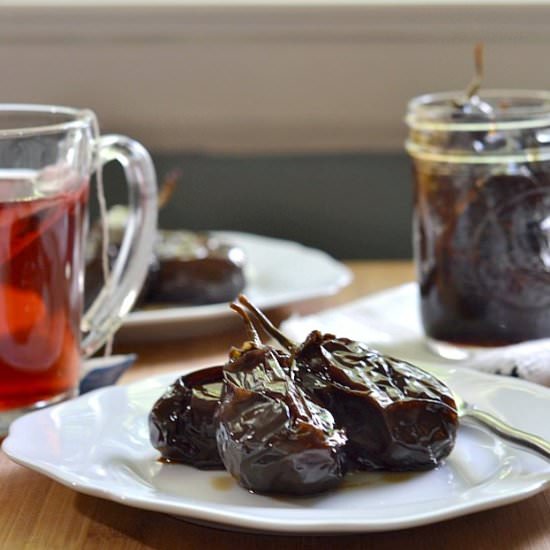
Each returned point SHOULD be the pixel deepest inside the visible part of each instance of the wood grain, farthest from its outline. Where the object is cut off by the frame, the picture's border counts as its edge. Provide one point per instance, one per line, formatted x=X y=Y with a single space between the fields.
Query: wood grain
x=37 y=513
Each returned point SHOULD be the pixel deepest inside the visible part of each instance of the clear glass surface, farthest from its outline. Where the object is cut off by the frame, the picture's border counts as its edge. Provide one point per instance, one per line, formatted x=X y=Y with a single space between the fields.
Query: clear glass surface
x=481 y=220
x=47 y=156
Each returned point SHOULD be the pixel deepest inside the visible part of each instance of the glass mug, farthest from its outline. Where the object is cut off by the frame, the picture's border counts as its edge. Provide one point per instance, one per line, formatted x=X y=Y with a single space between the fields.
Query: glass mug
x=481 y=225
x=47 y=155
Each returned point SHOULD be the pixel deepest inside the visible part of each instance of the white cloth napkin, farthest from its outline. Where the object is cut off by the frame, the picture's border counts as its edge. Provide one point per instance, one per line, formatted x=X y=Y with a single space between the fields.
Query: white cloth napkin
x=390 y=321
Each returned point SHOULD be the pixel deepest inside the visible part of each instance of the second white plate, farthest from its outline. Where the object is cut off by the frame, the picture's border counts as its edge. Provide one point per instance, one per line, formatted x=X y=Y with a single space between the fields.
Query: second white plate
x=278 y=272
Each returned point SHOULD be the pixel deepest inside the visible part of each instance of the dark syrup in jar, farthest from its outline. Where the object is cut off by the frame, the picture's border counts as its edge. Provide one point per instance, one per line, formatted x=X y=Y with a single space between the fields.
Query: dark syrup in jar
x=482 y=240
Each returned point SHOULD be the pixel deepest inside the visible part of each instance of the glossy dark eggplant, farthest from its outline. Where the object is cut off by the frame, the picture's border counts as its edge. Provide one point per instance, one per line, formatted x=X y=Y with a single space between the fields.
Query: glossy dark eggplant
x=186 y=267
x=271 y=437
x=396 y=416
x=183 y=422
x=195 y=268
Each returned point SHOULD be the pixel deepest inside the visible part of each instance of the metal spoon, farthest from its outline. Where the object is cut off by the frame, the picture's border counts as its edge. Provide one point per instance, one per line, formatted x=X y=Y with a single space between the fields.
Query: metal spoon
x=470 y=414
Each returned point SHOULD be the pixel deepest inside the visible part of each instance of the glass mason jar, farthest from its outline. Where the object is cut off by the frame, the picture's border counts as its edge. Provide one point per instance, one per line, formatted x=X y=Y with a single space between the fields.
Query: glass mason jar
x=481 y=222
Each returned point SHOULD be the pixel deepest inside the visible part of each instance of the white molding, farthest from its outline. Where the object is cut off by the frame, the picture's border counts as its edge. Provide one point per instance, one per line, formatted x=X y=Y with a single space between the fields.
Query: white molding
x=264 y=77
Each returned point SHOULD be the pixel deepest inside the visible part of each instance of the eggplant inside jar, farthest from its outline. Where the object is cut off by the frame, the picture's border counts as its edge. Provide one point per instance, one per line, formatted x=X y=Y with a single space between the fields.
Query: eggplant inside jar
x=481 y=222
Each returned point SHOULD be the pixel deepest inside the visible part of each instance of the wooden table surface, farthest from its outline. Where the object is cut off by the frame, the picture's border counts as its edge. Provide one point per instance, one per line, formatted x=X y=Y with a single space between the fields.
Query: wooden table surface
x=38 y=513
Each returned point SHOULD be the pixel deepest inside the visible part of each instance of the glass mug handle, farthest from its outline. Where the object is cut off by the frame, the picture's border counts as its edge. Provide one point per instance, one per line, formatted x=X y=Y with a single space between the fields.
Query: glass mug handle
x=121 y=289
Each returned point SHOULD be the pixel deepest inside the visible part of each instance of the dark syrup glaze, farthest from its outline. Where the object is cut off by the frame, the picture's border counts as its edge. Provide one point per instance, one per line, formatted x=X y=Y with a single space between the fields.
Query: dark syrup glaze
x=482 y=230
x=483 y=250
x=183 y=422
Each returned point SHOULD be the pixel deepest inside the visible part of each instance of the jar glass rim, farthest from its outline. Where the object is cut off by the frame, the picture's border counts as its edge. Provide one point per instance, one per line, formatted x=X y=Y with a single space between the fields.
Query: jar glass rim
x=39 y=119
x=510 y=109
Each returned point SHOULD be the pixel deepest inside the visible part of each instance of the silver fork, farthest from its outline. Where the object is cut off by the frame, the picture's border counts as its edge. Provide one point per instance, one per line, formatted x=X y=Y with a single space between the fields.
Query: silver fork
x=470 y=414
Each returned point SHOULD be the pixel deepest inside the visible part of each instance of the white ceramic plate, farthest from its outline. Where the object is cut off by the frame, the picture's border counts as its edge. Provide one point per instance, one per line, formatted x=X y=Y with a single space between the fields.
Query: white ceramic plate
x=278 y=272
x=98 y=444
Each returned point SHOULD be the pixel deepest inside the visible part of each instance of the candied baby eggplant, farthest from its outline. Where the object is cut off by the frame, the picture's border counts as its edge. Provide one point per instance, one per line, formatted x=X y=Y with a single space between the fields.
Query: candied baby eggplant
x=396 y=416
x=183 y=423
x=186 y=267
x=196 y=268
x=271 y=437
x=294 y=420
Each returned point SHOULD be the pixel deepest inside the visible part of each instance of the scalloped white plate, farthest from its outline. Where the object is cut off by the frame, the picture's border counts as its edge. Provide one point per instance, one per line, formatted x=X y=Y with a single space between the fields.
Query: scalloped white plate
x=98 y=444
x=278 y=272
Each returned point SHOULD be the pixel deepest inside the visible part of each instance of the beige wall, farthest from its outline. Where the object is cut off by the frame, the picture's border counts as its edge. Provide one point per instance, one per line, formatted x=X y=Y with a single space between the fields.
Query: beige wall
x=267 y=78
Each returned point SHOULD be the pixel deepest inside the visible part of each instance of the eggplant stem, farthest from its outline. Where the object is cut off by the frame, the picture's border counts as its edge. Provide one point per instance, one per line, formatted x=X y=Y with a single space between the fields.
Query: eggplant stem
x=167 y=188
x=475 y=84
x=250 y=328
x=268 y=326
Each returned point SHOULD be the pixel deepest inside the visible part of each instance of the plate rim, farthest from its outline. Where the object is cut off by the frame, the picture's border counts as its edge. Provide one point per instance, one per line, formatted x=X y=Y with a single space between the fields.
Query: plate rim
x=230 y=519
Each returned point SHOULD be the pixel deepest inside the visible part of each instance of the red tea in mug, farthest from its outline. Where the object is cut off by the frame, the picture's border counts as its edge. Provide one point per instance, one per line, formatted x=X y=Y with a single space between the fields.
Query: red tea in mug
x=41 y=255
x=47 y=155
